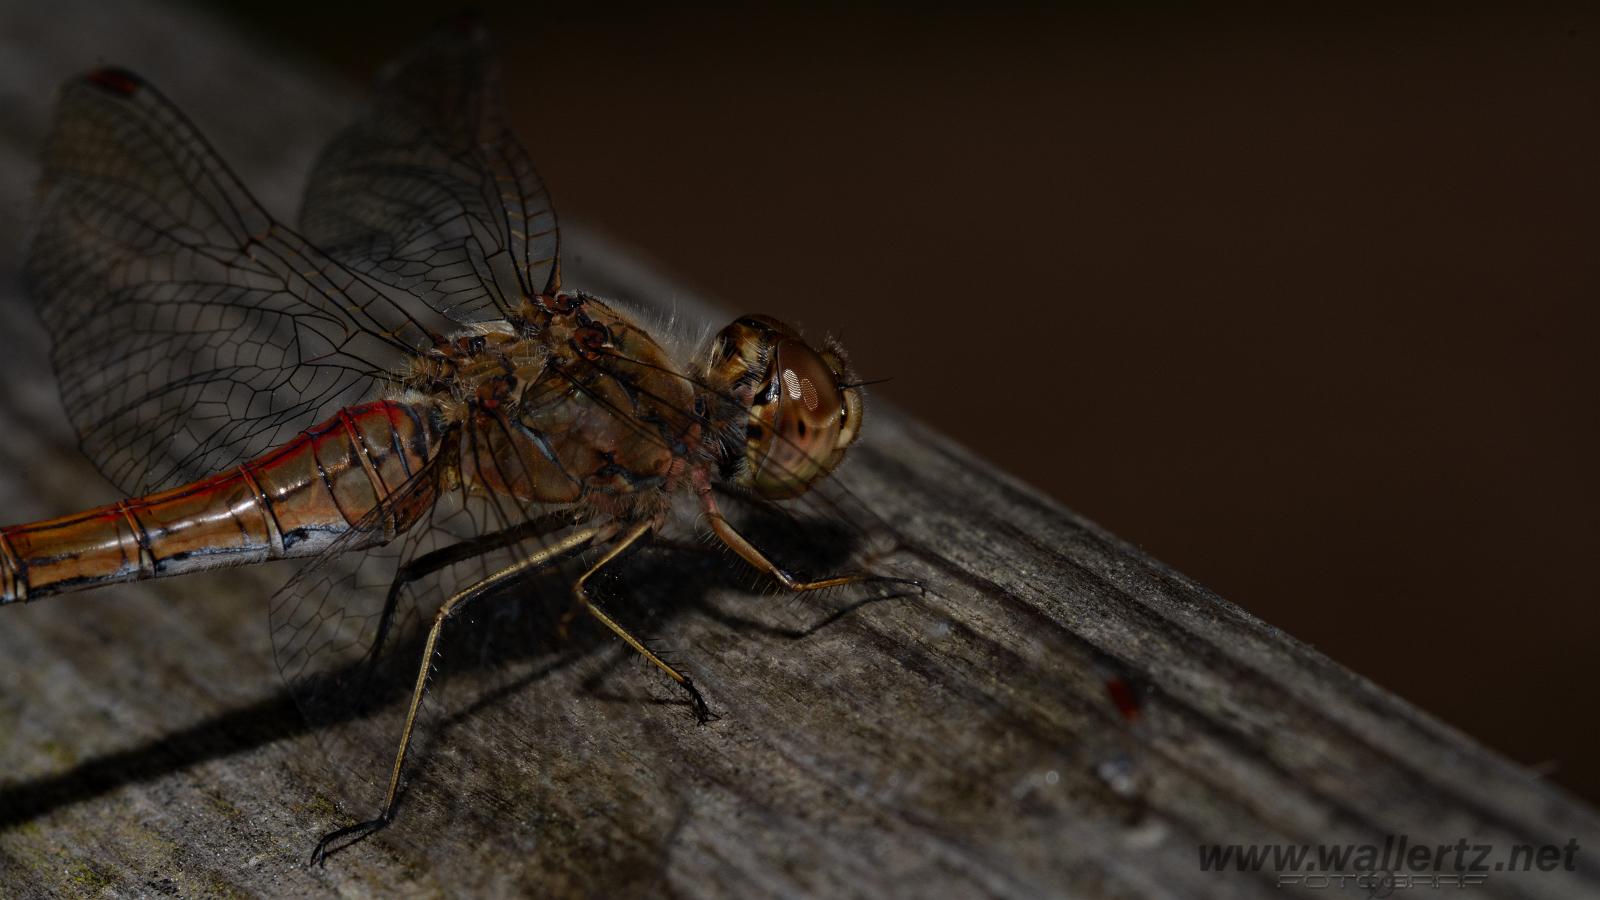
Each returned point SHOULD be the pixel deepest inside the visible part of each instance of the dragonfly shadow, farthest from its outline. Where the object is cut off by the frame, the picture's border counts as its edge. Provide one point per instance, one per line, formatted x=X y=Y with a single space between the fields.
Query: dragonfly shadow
x=648 y=591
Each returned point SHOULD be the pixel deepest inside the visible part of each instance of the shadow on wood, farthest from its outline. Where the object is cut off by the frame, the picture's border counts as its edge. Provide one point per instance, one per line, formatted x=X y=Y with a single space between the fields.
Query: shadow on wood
x=962 y=743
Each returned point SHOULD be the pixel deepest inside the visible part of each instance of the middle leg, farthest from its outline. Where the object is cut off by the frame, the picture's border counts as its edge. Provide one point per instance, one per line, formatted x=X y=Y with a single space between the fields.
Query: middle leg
x=702 y=712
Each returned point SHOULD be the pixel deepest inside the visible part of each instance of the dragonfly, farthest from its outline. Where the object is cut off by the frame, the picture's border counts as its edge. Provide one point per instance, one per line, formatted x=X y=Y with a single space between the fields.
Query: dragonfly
x=399 y=389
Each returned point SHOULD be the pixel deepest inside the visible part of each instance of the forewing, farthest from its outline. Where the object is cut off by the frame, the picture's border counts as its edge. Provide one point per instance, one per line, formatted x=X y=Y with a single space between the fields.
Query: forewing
x=429 y=191
x=190 y=330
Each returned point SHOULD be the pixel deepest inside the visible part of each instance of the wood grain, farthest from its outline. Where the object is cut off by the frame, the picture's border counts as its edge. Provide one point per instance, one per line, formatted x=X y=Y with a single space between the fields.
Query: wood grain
x=962 y=743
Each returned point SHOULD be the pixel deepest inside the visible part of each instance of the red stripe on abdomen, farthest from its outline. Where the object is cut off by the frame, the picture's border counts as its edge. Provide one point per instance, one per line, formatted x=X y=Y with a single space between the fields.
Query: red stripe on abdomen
x=294 y=501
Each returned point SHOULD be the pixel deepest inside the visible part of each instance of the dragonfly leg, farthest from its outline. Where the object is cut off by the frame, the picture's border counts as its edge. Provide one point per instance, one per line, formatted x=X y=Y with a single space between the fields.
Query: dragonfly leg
x=433 y=561
x=343 y=837
x=747 y=551
x=702 y=712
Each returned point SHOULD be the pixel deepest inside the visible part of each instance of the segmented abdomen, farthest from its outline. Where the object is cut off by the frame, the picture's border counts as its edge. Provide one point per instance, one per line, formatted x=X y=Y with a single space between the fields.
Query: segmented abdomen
x=294 y=501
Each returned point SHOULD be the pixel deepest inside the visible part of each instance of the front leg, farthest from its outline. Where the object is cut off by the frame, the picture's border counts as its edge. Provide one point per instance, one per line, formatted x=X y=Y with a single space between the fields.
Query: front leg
x=747 y=551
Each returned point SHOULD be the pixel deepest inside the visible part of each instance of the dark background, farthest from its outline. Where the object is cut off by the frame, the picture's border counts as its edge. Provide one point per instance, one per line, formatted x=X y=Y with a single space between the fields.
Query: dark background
x=1301 y=305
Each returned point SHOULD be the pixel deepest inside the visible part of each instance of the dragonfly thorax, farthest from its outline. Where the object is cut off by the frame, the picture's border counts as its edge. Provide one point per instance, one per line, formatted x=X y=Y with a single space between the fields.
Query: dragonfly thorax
x=571 y=402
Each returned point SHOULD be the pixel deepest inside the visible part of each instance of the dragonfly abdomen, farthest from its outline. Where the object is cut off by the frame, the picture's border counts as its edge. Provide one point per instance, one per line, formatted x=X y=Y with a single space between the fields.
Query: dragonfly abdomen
x=294 y=501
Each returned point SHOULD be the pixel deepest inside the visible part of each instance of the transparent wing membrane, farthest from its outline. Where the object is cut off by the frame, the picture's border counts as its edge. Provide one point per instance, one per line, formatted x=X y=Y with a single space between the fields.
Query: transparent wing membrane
x=348 y=631
x=193 y=332
x=190 y=330
x=429 y=191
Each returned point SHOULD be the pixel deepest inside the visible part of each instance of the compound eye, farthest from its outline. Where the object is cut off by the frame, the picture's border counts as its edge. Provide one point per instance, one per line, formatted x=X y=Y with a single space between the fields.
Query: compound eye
x=801 y=428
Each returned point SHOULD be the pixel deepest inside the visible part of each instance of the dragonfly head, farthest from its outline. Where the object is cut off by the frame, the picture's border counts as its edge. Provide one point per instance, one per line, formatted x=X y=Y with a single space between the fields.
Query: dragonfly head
x=789 y=410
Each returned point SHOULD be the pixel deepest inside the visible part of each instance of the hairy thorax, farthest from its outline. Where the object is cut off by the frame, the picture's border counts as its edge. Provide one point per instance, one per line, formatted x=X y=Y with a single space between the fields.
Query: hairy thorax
x=570 y=402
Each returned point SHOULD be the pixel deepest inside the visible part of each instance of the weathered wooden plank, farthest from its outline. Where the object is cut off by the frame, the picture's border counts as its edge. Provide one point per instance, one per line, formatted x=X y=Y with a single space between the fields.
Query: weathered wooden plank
x=957 y=744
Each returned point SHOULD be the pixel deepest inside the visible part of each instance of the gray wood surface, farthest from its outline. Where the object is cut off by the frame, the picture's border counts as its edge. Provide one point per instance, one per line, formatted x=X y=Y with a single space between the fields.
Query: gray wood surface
x=958 y=744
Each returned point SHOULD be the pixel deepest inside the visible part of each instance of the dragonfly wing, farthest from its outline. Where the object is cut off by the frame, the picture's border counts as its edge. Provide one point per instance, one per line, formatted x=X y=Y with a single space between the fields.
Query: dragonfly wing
x=190 y=330
x=429 y=191
x=349 y=631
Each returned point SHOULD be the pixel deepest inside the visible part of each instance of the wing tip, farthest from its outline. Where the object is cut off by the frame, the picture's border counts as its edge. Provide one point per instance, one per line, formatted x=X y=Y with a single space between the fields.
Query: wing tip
x=115 y=80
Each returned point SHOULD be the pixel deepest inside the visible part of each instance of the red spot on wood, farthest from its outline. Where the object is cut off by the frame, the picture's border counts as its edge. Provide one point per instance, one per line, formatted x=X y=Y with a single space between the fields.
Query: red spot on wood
x=1125 y=698
x=117 y=81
